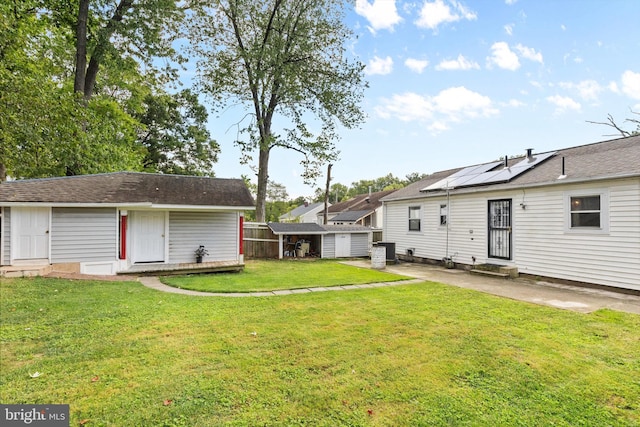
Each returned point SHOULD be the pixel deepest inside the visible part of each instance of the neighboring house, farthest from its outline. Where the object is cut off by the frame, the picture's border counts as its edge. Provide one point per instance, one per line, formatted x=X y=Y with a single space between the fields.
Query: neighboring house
x=571 y=214
x=324 y=241
x=364 y=209
x=122 y=222
x=303 y=213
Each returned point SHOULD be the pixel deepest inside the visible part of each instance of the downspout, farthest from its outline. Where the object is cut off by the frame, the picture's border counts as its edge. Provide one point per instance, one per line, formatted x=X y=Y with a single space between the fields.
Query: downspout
x=448 y=220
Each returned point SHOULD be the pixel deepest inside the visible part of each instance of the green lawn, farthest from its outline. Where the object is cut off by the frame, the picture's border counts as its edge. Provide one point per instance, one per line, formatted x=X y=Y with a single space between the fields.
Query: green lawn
x=285 y=274
x=425 y=354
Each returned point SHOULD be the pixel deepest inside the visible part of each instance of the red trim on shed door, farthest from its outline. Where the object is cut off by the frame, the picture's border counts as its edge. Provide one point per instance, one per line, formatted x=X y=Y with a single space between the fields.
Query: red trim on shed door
x=123 y=237
x=241 y=235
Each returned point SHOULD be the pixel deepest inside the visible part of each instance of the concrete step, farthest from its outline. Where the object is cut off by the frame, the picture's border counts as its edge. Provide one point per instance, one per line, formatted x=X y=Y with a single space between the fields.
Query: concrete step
x=490 y=274
x=25 y=271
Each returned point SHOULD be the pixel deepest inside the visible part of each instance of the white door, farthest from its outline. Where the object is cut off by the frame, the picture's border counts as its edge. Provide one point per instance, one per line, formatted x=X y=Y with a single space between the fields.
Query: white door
x=343 y=245
x=32 y=233
x=148 y=236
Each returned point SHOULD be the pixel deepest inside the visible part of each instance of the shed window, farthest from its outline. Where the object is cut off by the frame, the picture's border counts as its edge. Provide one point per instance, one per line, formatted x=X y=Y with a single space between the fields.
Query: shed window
x=414 y=218
x=585 y=211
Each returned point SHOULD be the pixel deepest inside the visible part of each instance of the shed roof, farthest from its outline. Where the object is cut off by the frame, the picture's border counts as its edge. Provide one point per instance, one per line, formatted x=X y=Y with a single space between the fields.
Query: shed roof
x=615 y=158
x=312 y=228
x=122 y=188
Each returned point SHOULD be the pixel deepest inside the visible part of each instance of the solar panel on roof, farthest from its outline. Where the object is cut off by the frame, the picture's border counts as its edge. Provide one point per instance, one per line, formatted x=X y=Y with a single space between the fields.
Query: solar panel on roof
x=482 y=174
x=507 y=174
x=461 y=176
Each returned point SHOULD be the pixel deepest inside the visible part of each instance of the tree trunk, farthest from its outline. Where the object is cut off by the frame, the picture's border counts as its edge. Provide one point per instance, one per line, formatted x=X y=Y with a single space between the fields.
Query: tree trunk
x=3 y=172
x=263 y=180
x=326 y=197
x=101 y=47
x=81 y=46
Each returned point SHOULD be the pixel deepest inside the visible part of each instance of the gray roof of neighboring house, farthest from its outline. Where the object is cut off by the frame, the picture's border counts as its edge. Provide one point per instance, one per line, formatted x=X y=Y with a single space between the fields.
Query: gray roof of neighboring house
x=301 y=210
x=350 y=216
x=361 y=202
x=122 y=188
x=608 y=159
x=312 y=228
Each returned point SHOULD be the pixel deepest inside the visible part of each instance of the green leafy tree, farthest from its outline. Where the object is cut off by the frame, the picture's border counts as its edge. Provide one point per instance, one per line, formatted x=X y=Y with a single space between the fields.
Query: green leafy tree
x=175 y=135
x=284 y=58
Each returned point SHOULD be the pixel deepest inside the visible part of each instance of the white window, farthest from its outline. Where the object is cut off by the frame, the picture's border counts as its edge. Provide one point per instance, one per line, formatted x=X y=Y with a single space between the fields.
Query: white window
x=587 y=211
x=443 y=214
x=414 y=218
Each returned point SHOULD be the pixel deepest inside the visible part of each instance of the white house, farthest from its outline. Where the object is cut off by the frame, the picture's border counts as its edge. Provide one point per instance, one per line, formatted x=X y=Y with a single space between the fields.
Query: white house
x=122 y=222
x=307 y=213
x=571 y=214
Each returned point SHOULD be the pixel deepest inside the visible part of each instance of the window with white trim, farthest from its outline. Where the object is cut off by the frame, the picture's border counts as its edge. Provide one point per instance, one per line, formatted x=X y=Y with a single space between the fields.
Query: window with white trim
x=443 y=214
x=414 y=218
x=586 y=211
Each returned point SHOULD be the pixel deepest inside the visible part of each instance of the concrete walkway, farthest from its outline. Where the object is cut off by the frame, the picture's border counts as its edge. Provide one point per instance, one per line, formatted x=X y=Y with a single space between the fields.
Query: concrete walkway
x=580 y=299
x=154 y=283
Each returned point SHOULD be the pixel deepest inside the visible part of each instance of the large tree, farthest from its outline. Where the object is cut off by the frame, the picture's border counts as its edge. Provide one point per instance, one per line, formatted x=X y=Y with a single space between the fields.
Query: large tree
x=282 y=58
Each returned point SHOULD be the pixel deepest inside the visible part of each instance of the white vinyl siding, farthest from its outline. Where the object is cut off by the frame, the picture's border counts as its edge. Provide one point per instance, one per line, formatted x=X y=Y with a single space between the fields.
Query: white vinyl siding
x=217 y=231
x=359 y=244
x=329 y=246
x=84 y=234
x=6 y=236
x=547 y=247
x=543 y=244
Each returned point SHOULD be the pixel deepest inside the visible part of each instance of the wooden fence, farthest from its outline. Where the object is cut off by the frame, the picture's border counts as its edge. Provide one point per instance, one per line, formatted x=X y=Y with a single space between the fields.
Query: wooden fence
x=259 y=241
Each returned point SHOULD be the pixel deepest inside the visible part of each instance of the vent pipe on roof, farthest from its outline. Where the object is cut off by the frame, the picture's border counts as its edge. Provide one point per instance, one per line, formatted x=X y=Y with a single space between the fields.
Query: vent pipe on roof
x=506 y=161
x=562 y=176
x=529 y=152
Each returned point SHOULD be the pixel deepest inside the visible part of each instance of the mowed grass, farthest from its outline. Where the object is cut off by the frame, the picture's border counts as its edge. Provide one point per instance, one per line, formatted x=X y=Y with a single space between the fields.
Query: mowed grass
x=284 y=274
x=425 y=354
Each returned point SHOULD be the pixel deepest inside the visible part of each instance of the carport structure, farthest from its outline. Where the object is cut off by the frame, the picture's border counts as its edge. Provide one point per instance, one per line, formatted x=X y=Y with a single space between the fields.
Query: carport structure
x=324 y=241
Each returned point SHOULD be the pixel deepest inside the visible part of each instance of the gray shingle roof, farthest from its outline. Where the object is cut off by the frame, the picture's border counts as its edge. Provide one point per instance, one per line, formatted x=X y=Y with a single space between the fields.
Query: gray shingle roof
x=296 y=228
x=350 y=216
x=301 y=210
x=129 y=187
x=311 y=228
x=607 y=159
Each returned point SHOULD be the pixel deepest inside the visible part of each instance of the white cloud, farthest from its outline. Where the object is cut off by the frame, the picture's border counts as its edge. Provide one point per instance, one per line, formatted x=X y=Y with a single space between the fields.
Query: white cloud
x=510 y=2
x=631 y=84
x=379 y=66
x=587 y=89
x=563 y=27
x=509 y=29
x=529 y=53
x=461 y=63
x=514 y=103
x=406 y=107
x=459 y=102
x=449 y=106
x=503 y=57
x=563 y=103
x=416 y=65
x=613 y=87
x=437 y=12
x=382 y=14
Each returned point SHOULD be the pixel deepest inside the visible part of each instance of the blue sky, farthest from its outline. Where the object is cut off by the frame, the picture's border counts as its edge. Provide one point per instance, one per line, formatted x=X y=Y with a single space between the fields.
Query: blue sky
x=456 y=83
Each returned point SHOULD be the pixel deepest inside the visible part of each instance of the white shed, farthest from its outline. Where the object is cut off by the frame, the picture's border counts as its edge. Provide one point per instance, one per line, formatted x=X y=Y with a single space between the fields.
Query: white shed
x=324 y=241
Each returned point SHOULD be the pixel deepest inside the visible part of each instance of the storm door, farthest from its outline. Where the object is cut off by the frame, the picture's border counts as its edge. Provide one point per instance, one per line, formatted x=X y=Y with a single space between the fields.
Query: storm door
x=500 y=229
